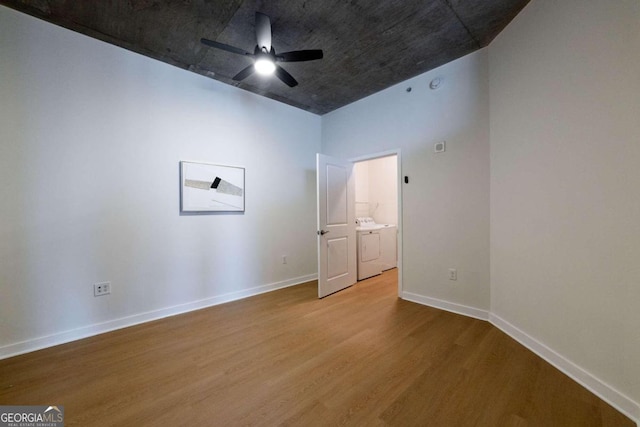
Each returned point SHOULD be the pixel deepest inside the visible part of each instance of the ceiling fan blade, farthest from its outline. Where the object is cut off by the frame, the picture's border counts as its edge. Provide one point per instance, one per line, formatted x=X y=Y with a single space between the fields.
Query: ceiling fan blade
x=285 y=77
x=224 y=47
x=244 y=73
x=263 y=31
x=300 y=55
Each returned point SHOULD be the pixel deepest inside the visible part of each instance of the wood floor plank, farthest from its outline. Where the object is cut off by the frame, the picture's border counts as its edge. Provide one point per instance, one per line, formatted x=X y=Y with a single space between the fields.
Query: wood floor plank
x=361 y=357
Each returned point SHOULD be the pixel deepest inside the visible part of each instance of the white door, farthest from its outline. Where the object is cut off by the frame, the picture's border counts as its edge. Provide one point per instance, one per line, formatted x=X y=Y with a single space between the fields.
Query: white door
x=336 y=225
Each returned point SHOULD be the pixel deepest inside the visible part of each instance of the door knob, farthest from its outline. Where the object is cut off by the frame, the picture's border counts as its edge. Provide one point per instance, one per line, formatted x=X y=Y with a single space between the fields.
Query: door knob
x=322 y=232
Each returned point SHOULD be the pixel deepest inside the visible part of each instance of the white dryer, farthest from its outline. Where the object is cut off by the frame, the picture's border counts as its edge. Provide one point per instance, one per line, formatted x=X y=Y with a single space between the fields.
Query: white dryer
x=369 y=248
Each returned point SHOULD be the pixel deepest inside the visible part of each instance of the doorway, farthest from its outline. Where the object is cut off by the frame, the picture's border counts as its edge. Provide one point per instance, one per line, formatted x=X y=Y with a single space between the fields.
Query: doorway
x=336 y=226
x=378 y=199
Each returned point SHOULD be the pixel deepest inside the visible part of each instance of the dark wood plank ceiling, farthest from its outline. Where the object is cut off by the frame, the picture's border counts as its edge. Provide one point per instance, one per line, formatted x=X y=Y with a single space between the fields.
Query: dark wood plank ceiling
x=368 y=45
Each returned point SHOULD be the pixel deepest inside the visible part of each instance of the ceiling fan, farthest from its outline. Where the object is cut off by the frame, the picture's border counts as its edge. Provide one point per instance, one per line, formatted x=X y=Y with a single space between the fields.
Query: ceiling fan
x=264 y=56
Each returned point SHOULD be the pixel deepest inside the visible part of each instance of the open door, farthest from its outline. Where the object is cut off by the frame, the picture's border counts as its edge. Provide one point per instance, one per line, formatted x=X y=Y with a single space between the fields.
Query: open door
x=336 y=225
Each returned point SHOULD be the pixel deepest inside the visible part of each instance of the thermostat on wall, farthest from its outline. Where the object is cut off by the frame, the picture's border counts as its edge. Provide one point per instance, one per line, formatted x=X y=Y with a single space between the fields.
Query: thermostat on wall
x=439 y=147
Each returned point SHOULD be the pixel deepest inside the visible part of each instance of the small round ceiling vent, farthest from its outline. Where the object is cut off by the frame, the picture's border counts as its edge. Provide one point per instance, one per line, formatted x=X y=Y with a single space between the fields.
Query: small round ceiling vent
x=435 y=83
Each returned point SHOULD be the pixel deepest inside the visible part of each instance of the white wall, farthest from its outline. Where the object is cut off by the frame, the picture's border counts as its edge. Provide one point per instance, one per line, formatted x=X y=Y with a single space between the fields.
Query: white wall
x=446 y=203
x=383 y=189
x=361 y=172
x=377 y=189
x=565 y=179
x=91 y=137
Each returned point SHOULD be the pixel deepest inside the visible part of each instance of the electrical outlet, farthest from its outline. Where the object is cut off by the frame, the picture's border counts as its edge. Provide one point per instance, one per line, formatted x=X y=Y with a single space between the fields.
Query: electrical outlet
x=100 y=289
x=284 y=259
x=453 y=274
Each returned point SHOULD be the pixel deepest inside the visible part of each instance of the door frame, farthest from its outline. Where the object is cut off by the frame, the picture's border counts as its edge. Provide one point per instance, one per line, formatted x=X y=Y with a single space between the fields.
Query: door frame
x=397 y=153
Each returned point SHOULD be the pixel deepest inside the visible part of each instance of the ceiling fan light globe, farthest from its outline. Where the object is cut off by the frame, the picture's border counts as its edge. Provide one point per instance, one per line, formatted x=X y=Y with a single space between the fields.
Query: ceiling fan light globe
x=264 y=67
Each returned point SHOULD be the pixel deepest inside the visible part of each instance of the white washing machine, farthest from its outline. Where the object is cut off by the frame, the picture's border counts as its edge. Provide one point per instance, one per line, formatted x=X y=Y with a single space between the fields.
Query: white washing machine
x=368 y=248
x=377 y=247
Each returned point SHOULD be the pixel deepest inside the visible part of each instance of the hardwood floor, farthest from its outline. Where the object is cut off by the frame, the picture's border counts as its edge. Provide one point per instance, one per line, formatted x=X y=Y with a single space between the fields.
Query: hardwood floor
x=360 y=357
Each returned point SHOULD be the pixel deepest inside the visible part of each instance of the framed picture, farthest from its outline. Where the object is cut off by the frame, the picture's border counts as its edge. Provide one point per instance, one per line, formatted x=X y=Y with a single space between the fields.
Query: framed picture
x=211 y=188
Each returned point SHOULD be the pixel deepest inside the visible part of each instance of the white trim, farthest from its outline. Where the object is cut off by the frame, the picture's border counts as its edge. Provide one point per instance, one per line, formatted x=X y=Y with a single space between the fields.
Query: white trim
x=136 y=319
x=465 y=310
x=400 y=226
x=607 y=393
x=374 y=156
x=604 y=391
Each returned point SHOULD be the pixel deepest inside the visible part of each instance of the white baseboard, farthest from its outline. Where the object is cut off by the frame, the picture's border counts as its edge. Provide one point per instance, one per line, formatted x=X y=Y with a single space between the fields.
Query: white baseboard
x=447 y=306
x=39 y=343
x=604 y=391
x=607 y=393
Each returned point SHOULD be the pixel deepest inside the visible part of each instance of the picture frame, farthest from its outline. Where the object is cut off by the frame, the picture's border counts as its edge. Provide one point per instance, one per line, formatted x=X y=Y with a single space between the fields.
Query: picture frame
x=207 y=187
